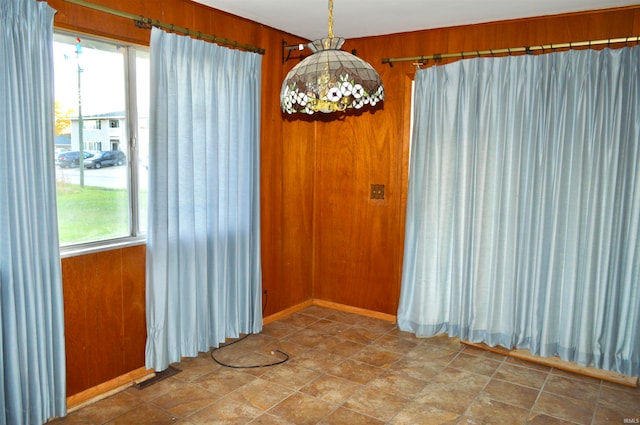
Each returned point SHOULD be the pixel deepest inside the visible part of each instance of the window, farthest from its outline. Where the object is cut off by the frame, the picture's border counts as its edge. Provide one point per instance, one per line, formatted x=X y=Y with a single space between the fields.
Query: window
x=91 y=124
x=93 y=146
x=101 y=199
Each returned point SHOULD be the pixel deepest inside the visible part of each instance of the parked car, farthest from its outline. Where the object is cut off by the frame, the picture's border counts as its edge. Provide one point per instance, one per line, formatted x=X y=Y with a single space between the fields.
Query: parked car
x=71 y=159
x=60 y=150
x=104 y=159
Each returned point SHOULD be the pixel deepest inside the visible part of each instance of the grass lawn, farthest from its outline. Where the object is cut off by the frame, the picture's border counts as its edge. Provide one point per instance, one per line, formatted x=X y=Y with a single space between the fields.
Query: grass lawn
x=94 y=213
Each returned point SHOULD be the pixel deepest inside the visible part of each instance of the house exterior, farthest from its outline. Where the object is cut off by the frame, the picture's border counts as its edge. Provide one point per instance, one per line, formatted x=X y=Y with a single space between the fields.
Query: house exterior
x=102 y=132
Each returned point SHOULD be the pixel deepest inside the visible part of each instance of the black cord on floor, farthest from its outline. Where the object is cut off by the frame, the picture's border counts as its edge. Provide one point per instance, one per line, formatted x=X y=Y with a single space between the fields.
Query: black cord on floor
x=250 y=366
x=240 y=339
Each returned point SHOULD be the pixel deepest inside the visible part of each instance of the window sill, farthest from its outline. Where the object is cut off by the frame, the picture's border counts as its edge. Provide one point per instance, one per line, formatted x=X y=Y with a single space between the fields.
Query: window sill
x=100 y=246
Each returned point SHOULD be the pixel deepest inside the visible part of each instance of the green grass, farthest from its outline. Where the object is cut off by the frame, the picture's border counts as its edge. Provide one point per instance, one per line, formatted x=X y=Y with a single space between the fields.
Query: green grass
x=94 y=213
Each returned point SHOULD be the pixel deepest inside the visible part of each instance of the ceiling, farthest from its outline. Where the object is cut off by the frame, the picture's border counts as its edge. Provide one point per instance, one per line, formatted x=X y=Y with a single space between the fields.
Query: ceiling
x=363 y=18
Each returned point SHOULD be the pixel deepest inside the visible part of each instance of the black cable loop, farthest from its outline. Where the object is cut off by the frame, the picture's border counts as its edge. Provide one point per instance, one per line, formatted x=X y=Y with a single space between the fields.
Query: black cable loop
x=286 y=356
x=249 y=366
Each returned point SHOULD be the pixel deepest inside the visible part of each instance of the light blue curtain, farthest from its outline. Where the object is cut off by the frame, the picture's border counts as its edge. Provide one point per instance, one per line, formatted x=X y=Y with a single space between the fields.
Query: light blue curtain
x=523 y=211
x=203 y=251
x=32 y=355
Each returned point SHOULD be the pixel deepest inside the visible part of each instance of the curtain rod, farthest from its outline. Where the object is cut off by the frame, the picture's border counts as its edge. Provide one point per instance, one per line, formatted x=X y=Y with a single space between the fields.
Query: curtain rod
x=512 y=50
x=147 y=23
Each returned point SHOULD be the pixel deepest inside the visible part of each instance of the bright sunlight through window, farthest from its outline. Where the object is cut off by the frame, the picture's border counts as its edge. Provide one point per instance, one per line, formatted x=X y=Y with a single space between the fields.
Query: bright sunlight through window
x=101 y=144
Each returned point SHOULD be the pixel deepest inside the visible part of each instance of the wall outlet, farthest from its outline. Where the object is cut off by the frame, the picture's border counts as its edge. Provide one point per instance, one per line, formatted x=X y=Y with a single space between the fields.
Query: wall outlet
x=377 y=191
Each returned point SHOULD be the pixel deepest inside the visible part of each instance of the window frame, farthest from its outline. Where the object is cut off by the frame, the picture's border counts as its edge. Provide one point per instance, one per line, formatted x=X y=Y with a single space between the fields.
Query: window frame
x=136 y=236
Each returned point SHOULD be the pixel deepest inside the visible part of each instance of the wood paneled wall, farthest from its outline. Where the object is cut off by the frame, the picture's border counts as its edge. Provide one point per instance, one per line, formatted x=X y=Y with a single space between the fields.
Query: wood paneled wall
x=322 y=237
x=104 y=312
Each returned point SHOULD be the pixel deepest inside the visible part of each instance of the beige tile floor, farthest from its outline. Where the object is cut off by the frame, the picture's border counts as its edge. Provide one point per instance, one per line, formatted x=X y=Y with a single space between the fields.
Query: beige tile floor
x=349 y=369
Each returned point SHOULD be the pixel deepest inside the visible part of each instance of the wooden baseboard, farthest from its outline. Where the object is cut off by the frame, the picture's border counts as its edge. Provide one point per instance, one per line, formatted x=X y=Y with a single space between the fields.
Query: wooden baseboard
x=356 y=310
x=328 y=304
x=560 y=364
x=284 y=313
x=108 y=388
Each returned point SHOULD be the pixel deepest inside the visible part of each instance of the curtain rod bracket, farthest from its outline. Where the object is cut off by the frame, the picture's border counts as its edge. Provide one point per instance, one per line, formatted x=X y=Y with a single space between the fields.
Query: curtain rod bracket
x=289 y=49
x=142 y=24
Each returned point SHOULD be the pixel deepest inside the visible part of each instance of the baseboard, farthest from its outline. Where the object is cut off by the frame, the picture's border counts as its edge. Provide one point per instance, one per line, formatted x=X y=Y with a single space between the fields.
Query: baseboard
x=560 y=364
x=286 y=312
x=357 y=310
x=108 y=388
x=328 y=304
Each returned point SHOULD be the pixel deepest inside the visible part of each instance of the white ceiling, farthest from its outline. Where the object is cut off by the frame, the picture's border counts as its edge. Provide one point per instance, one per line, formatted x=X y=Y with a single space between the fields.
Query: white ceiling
x=363 y=18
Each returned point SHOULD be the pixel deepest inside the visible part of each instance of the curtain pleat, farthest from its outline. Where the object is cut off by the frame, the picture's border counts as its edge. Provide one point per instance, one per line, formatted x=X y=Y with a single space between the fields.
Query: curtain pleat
x=32 y=354
x=524 y=205
x=203 y=250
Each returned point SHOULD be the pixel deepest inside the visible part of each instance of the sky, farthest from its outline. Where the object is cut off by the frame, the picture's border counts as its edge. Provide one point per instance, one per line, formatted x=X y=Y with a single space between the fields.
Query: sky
x=102 y=77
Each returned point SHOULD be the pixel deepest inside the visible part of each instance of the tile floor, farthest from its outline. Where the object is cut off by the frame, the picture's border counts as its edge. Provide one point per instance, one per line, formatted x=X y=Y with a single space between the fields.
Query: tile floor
x=349 y=369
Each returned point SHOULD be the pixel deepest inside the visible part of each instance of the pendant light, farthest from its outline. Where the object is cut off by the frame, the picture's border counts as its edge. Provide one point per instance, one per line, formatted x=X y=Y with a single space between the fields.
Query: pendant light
x=330 y=80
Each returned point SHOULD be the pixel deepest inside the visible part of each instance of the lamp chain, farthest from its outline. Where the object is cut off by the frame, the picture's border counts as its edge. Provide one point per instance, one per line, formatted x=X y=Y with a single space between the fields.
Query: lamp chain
x=330 y=19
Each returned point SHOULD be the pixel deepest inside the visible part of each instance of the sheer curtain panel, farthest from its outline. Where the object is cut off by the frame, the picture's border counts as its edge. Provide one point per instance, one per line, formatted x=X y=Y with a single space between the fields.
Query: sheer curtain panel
x=32 y=356
x=203 y=250
x=523 y=210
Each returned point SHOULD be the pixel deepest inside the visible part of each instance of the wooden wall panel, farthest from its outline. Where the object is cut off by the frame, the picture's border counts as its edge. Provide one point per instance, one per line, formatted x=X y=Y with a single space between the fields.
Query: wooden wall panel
x=74 y=293
x=134 y=323
x=104 y=316
x=354 y=238
x=296 y=225
x=286 y=187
